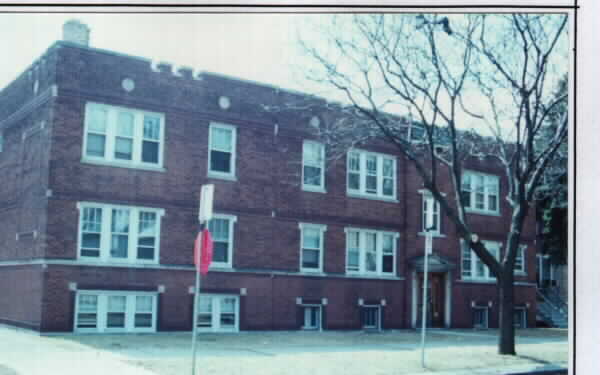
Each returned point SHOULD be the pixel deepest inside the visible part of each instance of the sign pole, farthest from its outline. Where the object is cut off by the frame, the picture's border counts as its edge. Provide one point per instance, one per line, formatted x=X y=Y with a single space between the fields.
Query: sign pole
x=205 y=212
x=428 y=249
x=196 y=306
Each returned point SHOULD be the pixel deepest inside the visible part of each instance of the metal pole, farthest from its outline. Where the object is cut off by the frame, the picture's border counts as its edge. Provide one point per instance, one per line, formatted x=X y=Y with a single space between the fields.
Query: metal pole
x=428 y=249
x=424 y=308
x=196 y=306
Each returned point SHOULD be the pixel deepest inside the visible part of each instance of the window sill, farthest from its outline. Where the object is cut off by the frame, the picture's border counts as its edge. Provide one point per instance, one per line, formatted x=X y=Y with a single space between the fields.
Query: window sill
x=482 y=212
x=371 y=197
x=434 y=235
x=375 y=277
x=312 y=189
x=220 y=267
x=116 y=164
x=520 y=273
x=311 y=272
x=477 y=281
x=226 y=177
x=113 y=263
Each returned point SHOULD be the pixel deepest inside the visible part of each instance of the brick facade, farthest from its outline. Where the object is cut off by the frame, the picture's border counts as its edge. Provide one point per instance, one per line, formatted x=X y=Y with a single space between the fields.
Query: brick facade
x=44 y=178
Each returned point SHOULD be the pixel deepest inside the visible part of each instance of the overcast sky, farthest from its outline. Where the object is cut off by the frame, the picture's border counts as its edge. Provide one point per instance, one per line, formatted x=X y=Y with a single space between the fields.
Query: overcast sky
x=259 y=47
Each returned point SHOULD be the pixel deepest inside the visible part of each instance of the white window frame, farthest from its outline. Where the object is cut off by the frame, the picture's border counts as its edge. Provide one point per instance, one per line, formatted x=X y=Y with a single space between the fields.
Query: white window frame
x=319 y=326
x=322 y=229
x=488 y=180
x=520 y=260
x=377 y=325
x=232 y=219
x=106 y=233
x=523 y=322
x=487 y=316
x=218 y=174
x=362 y=267
x=216 y=313
x=475 y=261
x=314 y=188
x=102 y=309
x=361 y=192
x=431 y=202
x=112 y=113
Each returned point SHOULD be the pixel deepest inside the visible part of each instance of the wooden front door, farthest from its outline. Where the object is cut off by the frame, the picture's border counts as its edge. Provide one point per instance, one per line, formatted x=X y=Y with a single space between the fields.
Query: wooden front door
x=436 y=299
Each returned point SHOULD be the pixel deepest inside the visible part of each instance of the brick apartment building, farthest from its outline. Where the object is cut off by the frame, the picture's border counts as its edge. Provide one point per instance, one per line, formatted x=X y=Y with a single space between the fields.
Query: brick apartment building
x=102 y=157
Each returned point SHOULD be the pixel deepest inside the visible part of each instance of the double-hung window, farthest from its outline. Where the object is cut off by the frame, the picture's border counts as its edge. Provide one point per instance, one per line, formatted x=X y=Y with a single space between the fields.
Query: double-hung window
x=371 y=175
x=520 y=259
x=480 y=192
x=122 y=136
x=431 y=207
x=114 y=233
x=370 y=252
x=311 y=247
x=473 y=267
x=221 y=151
x=313 y=166
x=221 y=230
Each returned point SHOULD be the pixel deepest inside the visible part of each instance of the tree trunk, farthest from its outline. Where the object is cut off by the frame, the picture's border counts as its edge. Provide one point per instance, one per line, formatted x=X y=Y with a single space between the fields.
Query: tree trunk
x=506 y=293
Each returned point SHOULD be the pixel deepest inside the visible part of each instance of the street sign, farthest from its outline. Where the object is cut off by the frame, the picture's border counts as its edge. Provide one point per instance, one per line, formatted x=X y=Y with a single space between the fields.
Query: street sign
x=206 y=203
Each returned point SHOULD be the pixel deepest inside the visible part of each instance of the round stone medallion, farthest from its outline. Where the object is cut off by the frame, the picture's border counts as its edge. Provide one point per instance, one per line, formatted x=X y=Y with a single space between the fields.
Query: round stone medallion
x=224 y=102
x=128 y=84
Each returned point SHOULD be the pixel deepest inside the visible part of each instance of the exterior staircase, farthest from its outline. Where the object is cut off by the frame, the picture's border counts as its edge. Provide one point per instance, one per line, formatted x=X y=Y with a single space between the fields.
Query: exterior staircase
x=551 y=308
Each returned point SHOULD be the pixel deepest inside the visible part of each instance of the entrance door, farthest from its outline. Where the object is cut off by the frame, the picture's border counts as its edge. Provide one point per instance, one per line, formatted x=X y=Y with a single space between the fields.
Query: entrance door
x=435 y=300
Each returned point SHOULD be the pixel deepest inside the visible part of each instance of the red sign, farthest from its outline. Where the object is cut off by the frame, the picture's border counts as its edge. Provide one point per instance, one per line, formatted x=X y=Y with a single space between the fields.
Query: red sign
x=203 y=250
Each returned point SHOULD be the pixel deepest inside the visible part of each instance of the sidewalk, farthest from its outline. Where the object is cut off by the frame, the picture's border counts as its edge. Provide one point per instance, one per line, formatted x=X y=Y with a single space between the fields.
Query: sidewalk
x=449 y=352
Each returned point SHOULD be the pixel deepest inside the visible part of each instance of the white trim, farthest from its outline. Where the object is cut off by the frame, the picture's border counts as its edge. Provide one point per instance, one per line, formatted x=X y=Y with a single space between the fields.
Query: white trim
x=314 y=188
x=431 y=202
x=487 y=315
x=475 y=260
x=521 y=253
x=362 y=256
x=102 y=310
x=105 y=233
x=231 y=220
x=217 y=174
x=322 y=229
x=362 y=172
x=486 y=193
x=216 y=312
x=110 y=135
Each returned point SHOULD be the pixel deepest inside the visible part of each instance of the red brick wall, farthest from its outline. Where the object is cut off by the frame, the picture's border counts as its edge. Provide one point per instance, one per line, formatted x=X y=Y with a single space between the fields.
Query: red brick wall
x=20 y=300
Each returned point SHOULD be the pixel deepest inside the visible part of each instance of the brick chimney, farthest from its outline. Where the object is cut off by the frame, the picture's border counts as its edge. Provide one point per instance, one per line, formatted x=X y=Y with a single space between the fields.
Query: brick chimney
x=75 y=31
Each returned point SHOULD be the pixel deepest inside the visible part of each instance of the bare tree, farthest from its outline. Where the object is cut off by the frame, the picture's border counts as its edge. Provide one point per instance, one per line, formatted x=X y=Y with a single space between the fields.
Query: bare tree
x=445 y=90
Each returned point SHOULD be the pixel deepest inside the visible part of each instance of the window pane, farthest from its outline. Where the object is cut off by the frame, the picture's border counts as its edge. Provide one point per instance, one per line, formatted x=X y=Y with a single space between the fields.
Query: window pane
x=143 y=320
x=143 y=304
x=312 y=176
x=97 y=121
x=88 y=303
x=354 y=162
x=466 y=261
x=353 y=181
x=388 y=187
x=219 y=229
x=120 y=221
x=220 y=161
x=145 y=253
x=313 y=154
x=125 y=124
x=310 y=258
x=115 y=317
x=151 y=128
x=119 y=246
x=492 y=200
x=220 y=252
x=95 y=145
x=388 y=168
x=371 y=184
x=90 y=241
x=311 y=238
x=388 y=244
x=388 y=263
x=150 y=152
x=221 y=139
x=123 y=148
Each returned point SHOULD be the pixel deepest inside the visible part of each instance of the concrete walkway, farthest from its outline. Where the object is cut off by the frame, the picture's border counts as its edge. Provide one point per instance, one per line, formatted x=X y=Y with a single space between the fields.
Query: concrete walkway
x=26 y=353
x=449 y=352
